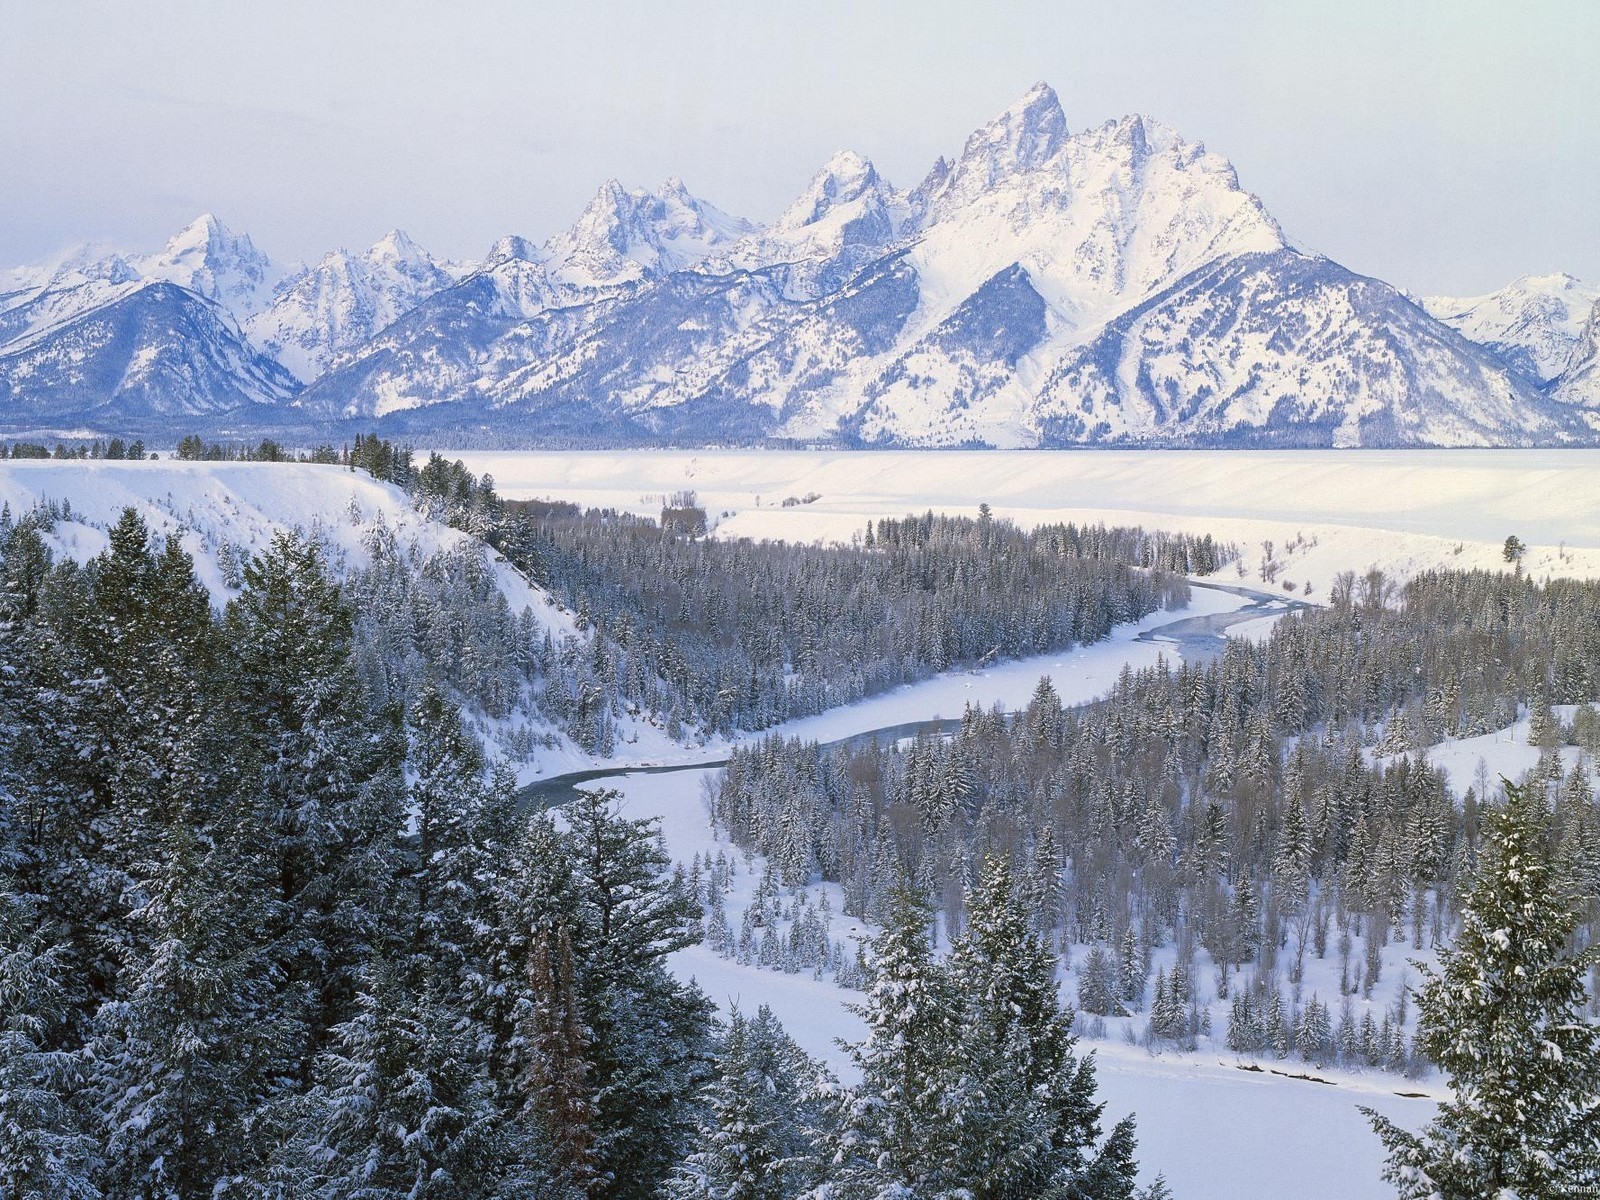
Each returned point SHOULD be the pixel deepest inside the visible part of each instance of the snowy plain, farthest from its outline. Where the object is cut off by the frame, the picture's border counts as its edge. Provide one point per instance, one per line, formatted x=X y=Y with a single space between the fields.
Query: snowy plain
x=1403 y=511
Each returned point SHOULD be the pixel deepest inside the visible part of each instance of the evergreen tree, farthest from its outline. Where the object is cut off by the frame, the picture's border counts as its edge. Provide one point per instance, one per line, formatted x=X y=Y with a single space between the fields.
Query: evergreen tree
x=1503 y=1017
x=44 y=1154
x=1019 y=1113
x=558 y=1085
x=649 y=1032
x=199 y=1041
x=315 y=773
x=888 y=1139
x=403 y=1110
x=762 y=1111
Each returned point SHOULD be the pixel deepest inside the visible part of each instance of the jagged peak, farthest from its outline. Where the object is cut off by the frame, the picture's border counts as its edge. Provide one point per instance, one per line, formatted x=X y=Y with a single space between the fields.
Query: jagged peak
x=397 y=246
x=207 y=235
x=843 y=179
x=674 y=190
x=513 y=248
x=1028 y=133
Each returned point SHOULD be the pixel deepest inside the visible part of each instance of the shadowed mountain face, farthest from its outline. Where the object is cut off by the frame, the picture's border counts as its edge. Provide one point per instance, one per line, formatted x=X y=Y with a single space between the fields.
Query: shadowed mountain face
x=1113 y=285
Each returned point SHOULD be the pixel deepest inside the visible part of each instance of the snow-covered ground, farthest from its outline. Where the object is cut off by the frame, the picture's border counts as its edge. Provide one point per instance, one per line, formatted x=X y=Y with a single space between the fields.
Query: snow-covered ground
x=242 y=505
x=1218 y=1132
x=1215 y=1130
x=1404 y=511
x=1481 y=762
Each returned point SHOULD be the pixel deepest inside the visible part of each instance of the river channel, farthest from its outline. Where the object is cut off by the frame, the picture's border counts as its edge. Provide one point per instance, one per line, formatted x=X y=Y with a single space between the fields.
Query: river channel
x=1196 y=639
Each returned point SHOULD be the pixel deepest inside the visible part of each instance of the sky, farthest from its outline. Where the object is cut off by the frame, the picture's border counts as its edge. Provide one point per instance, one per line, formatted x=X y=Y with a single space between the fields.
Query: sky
x=1445 y=147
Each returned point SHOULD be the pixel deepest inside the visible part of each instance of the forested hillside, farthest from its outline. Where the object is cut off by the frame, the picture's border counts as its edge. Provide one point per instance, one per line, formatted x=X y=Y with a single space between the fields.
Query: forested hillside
x=265 y=930
x=1235 y=822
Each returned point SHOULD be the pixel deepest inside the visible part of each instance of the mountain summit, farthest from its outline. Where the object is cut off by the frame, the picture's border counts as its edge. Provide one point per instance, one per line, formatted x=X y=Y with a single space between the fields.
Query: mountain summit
x=1114 y=285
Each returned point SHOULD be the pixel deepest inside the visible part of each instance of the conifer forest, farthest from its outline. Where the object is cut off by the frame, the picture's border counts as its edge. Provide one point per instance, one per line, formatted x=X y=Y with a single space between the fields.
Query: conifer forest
x=277 y=921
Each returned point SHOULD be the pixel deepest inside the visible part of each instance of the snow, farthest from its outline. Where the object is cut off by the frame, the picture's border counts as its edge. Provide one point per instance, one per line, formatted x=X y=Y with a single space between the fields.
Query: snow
x=1534 y=322
x=1403 y=511
x=1505 y=753
x=245 y=504
x=1214 y=1130
x=1217 y=1132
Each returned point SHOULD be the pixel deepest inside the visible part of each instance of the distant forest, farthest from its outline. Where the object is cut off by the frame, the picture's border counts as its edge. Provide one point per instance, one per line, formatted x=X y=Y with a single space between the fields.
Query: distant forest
x=1229 y=807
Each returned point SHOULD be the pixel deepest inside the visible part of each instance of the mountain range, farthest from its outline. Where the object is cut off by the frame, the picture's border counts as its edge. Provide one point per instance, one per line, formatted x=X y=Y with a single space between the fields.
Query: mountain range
x=1111 y=286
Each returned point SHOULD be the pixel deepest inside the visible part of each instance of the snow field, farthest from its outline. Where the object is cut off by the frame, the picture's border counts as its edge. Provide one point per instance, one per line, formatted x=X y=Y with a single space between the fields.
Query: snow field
x=1324 y=511
x=242 y=505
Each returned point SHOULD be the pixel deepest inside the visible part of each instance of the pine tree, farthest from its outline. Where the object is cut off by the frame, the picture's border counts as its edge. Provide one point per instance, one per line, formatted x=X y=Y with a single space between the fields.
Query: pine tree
x=649 y=1047
x=888 y=1134
x=315 y=776
x=557 y=1085
x=199 y=1041
x=447 y=799
x=403 y=1110
x=1019 y=1111
x=44 y=1155
x=1503 y=1017
x=1132 y=970
x=755 y=1140
x=1098 y=988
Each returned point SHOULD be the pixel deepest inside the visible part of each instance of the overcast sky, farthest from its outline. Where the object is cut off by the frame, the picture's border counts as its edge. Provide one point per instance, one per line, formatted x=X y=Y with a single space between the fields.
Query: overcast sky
x=1446 y=147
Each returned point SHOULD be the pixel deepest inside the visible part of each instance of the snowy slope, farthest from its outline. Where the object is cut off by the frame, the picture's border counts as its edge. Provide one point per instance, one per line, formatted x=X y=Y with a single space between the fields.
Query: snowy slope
x=139 y=355
x=1287 y=349
x=1579 y=383
x=320 y=312
x=1531 y=324
x=242 y=505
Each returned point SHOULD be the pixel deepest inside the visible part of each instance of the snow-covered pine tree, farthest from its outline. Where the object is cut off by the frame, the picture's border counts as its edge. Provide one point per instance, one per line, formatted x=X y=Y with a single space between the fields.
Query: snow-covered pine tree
x=315 y=776
x=650 y=1032
x=762 y=1110
x=403 y=1109
x=201 y=1039
x=1504 y=1018
x=557 y=1083
x=888 y=1140
x=1098 y=987
x=44 y=1154
x=1020 y=1118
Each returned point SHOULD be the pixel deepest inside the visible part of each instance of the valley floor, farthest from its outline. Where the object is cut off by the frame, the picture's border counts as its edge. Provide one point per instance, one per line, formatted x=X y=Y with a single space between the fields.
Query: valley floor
x=1324 y=511
x=1218 y=1132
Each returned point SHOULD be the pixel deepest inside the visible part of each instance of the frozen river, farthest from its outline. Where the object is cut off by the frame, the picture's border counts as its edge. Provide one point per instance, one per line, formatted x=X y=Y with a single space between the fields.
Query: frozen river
x=1216 y=1132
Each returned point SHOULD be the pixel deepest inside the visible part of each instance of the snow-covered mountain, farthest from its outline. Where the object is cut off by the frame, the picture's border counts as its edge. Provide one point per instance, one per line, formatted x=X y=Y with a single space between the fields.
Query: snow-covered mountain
x=627 y=236
x=320 y=312
x=844 y=219
x=106 y=340
x=208 y=258
x=1113 y=285
x=1579 y=383
x=1532 y=323
x=153 y=355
